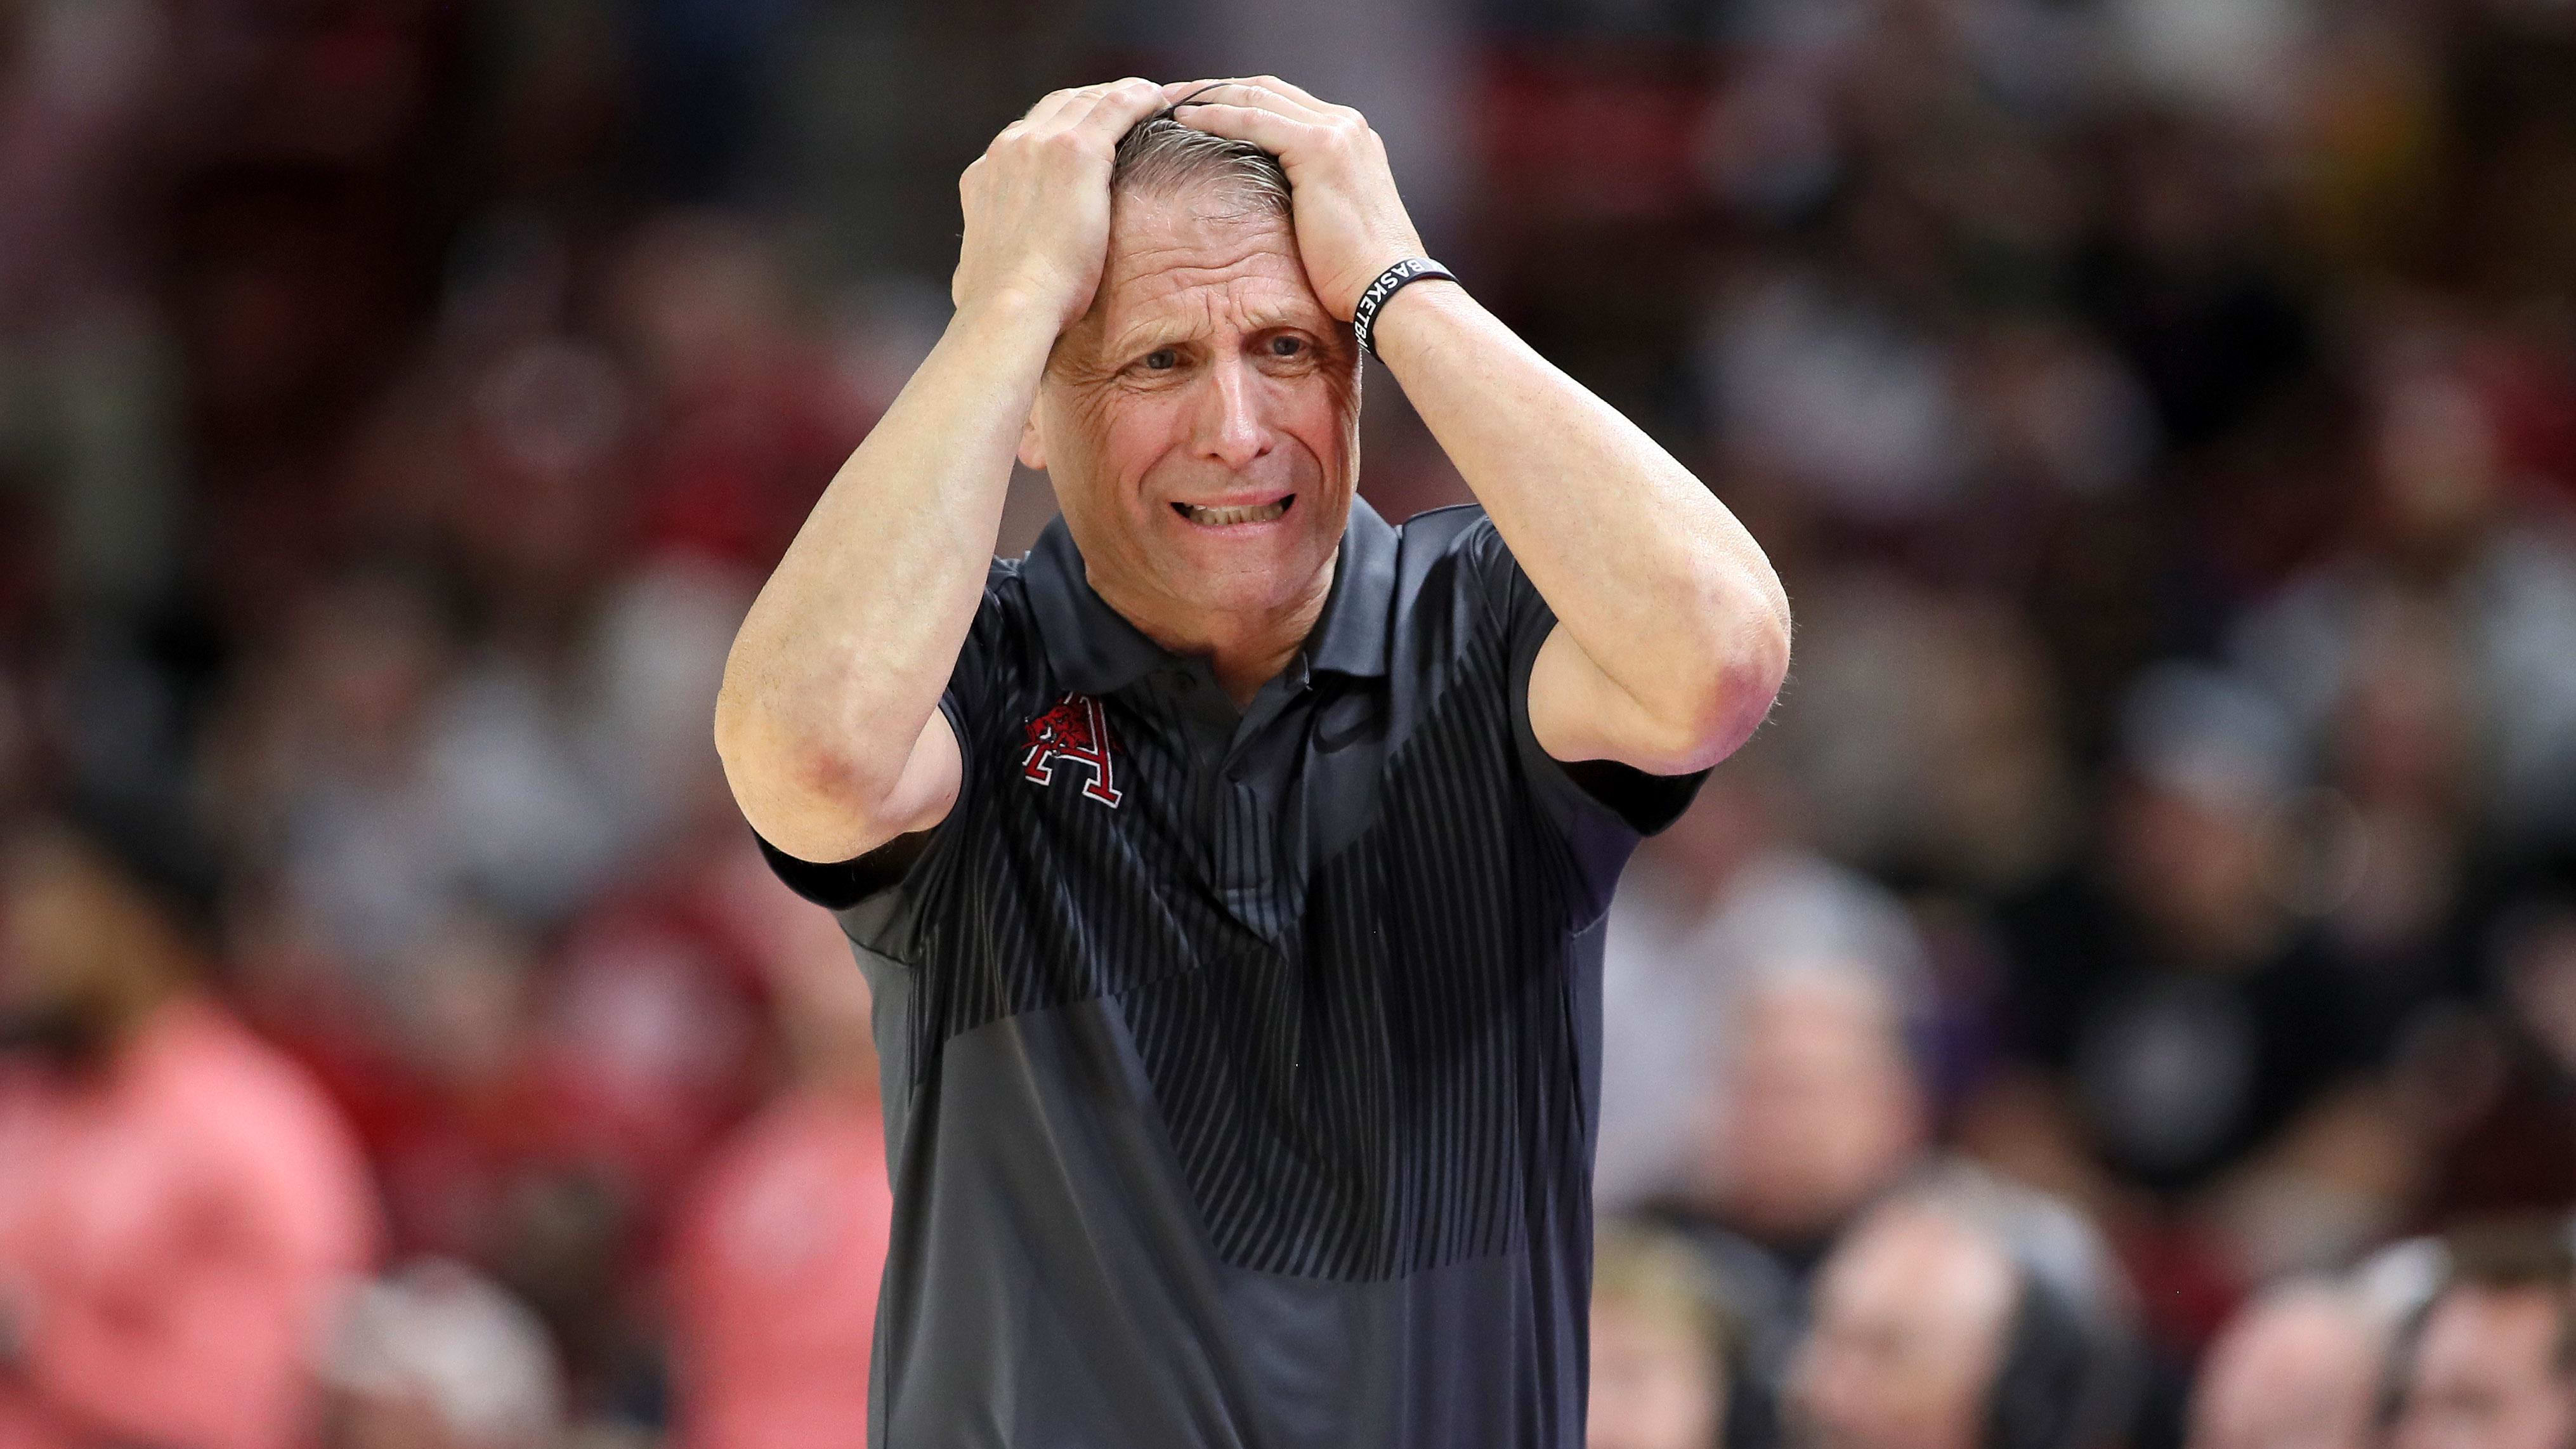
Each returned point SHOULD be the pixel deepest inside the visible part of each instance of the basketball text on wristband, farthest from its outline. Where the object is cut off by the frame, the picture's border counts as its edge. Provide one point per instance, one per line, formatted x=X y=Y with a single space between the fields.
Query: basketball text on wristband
x=1388 y=283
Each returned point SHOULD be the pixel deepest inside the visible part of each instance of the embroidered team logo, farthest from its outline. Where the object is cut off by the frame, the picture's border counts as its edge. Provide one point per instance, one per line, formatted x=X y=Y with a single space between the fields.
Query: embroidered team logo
x=1074 y=731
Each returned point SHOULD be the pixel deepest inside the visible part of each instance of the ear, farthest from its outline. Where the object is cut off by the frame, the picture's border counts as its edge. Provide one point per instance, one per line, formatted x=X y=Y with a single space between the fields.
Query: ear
x=1032 y=441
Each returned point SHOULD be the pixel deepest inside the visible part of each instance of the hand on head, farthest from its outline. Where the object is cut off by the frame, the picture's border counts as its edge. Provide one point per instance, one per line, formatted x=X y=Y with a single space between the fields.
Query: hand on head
x=1198 y=410
x=1037 y=200
x=1351 y=225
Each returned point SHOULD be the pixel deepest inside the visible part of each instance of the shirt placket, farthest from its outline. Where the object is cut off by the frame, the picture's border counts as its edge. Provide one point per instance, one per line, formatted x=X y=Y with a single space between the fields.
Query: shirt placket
x=1237 y=788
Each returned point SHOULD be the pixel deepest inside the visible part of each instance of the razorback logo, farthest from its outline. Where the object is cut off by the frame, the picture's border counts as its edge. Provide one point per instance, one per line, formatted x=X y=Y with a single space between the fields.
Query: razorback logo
x=1075 y=730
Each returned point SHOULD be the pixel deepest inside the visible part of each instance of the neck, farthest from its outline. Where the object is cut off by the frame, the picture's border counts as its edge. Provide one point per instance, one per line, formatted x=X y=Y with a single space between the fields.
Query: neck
x=1246 y=649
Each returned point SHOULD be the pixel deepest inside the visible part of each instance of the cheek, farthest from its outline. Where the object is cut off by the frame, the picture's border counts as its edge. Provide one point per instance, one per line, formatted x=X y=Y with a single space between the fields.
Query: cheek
x=1143 y=431
x=1102 y=441
x=1321 y=415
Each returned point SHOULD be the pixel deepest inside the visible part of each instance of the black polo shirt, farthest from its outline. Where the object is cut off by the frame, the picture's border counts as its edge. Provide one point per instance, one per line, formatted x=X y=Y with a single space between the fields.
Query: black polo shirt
x=1241 y=1068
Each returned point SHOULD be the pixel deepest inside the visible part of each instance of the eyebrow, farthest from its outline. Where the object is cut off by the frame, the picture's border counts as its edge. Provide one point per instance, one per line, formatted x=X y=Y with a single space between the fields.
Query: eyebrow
x=1141 y=337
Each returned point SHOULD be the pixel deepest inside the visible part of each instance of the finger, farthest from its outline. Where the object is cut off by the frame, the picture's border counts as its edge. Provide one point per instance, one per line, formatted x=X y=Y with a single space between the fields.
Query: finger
x=1278 y=95
x=1182 y=93
x=1282 y=136
x=1119 y=107
x=1041 y=118
x=1248 y=93
x=1113 y=107
x=1047 y=108
x=1301 y=96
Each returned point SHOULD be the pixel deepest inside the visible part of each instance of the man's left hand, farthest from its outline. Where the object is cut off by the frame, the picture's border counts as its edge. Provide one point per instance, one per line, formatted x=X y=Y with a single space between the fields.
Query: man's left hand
x=1350 y=223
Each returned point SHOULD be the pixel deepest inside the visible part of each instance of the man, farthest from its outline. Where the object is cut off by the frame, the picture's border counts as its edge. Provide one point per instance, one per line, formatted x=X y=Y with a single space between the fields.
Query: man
x=2298 y=1369
x=1664 y=1344
x=1963 y=1315
x=2491 y=1364
x=1820 y=1093
x=2181 y=1050
x=1815 y=1104
x=180 y=1208
x=1227 y=870
x=1909 y=1333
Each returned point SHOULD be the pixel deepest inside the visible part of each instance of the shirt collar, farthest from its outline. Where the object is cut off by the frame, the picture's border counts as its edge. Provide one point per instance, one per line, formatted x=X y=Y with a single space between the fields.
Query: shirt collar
x=1350 y=638
x=1094 y=650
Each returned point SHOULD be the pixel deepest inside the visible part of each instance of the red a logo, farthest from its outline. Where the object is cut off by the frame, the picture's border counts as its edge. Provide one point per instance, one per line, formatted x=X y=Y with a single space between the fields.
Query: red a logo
x=1076 y=730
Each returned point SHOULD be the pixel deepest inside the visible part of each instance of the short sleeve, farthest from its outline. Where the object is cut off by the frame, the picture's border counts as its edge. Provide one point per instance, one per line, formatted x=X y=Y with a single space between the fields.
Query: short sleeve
x=1588 y=796
x=974 y=681
x=839 y=885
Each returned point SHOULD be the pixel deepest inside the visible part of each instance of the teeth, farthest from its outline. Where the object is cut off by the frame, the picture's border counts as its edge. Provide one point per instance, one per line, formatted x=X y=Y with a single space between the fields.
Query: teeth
x=1220 y=517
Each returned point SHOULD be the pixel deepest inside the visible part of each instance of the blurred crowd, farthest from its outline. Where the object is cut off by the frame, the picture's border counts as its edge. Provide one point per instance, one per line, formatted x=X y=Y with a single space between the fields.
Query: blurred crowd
x=2127 y=995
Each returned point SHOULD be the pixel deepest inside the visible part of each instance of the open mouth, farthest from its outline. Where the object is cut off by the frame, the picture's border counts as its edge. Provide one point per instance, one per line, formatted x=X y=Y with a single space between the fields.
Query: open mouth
x=1241 y=513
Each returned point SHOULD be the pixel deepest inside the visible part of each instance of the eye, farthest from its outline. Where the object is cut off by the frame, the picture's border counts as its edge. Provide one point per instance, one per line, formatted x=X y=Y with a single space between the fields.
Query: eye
x=1287 y=345
x=1162 y=359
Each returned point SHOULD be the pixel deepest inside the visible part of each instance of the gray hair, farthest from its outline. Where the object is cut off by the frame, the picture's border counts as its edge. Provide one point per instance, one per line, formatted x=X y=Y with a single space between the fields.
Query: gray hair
x=1159 y=156
x=1792 y=918
x=2072 y=1369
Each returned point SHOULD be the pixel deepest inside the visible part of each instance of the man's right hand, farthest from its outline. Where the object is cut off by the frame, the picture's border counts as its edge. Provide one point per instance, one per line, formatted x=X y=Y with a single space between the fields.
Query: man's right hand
x=1037 y=201
x=828 y=723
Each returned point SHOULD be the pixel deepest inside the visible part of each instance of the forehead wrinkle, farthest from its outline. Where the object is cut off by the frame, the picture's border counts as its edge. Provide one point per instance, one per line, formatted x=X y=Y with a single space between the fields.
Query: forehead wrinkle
x=1173 y=272
x=1199 y=302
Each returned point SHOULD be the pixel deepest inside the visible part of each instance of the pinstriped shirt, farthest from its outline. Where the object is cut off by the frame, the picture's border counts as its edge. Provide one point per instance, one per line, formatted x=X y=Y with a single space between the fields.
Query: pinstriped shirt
x=1241 y=1066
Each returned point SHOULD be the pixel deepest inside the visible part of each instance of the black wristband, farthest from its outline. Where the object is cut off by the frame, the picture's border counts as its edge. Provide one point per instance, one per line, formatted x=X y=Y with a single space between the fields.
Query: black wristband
x=1388 y=283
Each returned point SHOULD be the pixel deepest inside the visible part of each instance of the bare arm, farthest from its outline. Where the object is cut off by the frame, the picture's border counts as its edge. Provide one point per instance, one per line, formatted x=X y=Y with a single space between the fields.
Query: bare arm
x=1672 y=633
x=828 y=720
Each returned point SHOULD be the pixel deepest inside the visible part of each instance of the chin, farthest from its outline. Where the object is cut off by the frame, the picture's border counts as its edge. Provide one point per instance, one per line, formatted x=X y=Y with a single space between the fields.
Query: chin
x=1244 y=586
x=1251 y=589
x=1247 y=568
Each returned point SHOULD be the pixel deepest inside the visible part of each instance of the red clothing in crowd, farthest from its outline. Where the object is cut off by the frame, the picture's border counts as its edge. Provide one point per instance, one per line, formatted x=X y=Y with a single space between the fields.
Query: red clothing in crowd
x=779 y=1251
x=173 y=1235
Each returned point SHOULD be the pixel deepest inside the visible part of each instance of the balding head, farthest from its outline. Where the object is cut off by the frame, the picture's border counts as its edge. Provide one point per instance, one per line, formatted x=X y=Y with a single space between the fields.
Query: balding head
x=1819 y=1108
x=2298 y=1369
x=1912 y=1314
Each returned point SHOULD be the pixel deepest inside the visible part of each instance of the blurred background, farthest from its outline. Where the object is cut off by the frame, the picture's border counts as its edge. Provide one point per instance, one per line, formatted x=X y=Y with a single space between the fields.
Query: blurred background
x=2127 y=996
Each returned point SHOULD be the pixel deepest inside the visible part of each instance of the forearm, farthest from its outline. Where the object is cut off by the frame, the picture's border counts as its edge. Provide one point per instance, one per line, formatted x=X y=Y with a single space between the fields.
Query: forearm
x=843 y=655
x=1648 y=572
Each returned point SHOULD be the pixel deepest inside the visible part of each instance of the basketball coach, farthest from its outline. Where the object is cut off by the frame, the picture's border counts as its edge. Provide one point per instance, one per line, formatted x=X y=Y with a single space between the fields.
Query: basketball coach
x=1229 y=870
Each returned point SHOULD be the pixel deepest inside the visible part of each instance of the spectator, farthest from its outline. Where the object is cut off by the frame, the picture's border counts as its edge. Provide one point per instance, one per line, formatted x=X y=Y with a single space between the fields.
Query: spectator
x=2491 y=1363
x=2186 y=1059
x=1908 y=1336
x=1814 y=1104
x=179 y=1206
x=1955 y=1316
x=434 y=1357
x=1663 y=1345
x=2298 y=1369
x=783 y=1239
x=1665 y=967
x=1821 y=1104
x=2500 y=1087
x=2438 y=538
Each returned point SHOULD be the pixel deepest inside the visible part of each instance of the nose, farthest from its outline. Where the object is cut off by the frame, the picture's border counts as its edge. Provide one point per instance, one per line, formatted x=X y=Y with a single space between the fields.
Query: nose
x=1232 y=430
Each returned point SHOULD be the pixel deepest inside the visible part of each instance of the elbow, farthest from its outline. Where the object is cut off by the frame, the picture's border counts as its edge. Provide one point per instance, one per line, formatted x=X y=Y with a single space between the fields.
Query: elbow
x=1743 y=661
x=1756 y=674
x=772 y=761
